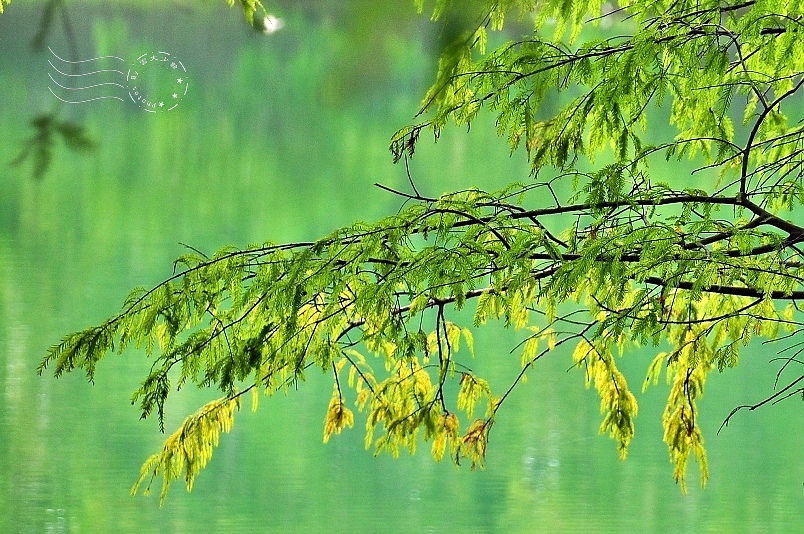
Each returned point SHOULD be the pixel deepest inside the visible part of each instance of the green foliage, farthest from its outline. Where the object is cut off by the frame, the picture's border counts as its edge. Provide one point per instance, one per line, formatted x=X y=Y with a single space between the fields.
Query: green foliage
x=39 y=147
x=250 y=9
x=623 y=260
x=189 y=449
x=4 y=2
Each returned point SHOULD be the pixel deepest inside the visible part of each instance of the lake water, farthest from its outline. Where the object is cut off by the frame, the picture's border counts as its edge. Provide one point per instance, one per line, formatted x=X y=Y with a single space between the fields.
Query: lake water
x=282 y=137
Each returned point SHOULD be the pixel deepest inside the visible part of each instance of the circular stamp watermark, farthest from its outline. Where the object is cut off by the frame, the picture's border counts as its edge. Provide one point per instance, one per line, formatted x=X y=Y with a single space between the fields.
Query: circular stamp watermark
x=157 y=82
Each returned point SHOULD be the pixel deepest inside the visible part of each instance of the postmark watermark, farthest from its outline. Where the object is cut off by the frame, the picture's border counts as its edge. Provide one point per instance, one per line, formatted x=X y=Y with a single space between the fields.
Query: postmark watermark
x=158 y=83
x=155 y=82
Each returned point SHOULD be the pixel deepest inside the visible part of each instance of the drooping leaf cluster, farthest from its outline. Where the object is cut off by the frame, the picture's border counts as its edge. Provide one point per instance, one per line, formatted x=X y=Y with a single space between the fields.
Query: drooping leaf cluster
x=253 y=10
x=696 y=270
x=49 y=128
x=188 y=450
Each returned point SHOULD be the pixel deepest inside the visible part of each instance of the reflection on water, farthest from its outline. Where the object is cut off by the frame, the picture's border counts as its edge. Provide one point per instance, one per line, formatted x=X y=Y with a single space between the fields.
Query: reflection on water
x=281 y=141
x=57 y=520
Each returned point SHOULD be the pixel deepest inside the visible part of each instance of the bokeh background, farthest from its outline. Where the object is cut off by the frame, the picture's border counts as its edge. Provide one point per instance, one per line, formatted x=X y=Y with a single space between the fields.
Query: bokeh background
x=282 y=137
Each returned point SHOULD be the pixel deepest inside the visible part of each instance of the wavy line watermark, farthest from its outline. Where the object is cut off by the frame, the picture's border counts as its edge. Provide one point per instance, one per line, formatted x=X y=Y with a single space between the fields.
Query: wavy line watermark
x=155 y=82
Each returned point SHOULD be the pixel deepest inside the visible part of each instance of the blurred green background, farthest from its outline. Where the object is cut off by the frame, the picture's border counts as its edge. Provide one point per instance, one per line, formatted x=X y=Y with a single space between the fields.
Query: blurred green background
x=281 y=137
